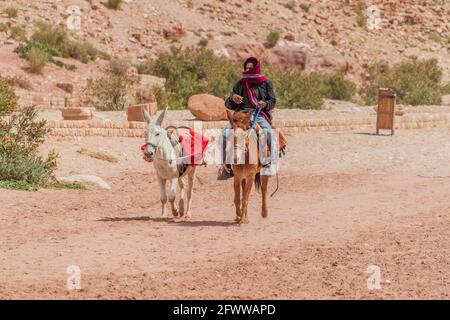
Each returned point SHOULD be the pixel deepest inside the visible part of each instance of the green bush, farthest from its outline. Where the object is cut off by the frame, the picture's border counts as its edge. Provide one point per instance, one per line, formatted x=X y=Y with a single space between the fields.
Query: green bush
x=18 y=33
x=114 y=4
x=82 y=51
x=37 y=59
x=335 y=86
x=20 y=137
x=8 y=98
x=293 y=89
x=188 y=72
x=11 y=12
x=54 y=42
x=120 y=66
x=272 y=39
x=194 y=71
x=110 y=92
x=415 y=83
x=53 y=36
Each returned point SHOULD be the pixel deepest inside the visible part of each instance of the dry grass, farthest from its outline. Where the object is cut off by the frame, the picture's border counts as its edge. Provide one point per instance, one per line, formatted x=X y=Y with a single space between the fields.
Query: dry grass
x=99 y=155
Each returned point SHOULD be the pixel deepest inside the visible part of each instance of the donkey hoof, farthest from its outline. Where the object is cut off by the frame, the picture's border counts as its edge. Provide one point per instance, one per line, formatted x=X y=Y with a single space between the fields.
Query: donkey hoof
x=187 y=218
x=244 y=221
x=237 y=219
x=175 y=213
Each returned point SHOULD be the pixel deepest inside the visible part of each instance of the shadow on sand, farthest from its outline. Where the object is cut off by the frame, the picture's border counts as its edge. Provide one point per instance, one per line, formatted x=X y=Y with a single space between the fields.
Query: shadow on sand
x=172 y=221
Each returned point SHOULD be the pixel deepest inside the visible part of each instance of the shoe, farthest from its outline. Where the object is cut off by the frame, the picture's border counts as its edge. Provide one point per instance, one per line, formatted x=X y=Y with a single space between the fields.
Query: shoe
x=266 y=165
x=225 y=173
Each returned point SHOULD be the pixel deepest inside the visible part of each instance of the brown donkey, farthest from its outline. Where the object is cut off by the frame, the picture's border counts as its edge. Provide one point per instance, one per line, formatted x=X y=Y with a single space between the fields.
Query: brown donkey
x=243 y=146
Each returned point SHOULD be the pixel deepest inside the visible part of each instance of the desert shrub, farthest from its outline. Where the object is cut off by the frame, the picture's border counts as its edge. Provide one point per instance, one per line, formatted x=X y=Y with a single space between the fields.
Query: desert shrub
x=82 y=51
x=415 y=83
x=188 y=72
x=360 y=11
x=8 y=98
x=54 y=41
x=295 y=89
x=289 y=4
x=446 y=88
x=436 y=37
x=119 y=66
x=335 y=86
x=21 y=134
x=11 y=12
x=114 y=4
x=272 y=39
x=53 y=36
x=305 y=6
x=110 y=92
x=18 y=33
x=203 y=42
x=4 y=27
x=50 y=52
x=37 y=59
x=20 y=81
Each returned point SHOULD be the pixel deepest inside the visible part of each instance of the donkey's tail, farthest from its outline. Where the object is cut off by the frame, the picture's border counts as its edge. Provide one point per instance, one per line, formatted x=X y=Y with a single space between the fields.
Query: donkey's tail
x=258 y=181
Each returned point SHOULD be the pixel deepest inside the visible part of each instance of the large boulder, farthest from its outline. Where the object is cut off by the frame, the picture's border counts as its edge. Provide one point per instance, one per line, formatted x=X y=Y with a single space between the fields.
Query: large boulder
x=329 y=61
x=207 y=107
x=289 y=53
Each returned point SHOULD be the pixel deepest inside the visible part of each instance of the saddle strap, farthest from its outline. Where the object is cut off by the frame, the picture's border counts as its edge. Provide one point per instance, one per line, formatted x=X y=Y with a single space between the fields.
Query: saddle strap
x=176 y=144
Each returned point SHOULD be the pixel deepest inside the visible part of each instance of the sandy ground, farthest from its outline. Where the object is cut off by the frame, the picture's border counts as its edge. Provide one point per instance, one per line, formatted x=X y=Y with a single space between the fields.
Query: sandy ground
x=347 y=201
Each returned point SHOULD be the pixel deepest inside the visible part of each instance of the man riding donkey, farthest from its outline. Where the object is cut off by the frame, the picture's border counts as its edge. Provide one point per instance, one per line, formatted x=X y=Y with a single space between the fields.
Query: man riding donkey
x=253 y=93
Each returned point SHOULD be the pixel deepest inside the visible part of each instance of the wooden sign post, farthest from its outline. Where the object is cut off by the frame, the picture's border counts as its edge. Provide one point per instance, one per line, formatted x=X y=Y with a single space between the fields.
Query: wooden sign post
x=385 y=111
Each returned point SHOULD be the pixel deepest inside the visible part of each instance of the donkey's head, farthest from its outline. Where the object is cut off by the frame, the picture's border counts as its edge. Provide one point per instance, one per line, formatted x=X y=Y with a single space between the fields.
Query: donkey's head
x=239 y=120
x=154 y=133
x=243 y=142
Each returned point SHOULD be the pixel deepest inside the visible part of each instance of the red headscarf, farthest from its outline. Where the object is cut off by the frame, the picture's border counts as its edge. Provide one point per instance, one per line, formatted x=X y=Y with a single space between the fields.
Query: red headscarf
x=252 y=77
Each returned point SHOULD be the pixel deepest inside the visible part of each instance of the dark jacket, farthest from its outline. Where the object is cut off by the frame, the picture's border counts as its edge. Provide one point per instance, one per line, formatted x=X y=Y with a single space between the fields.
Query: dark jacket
x=264 y=92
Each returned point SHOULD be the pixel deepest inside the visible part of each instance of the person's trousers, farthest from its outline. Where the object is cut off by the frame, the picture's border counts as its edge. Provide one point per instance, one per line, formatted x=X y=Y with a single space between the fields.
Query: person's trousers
x=266 y=142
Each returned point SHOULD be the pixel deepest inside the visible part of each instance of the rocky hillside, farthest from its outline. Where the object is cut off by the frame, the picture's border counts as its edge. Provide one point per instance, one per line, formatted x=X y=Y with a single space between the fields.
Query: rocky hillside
x=313 y=34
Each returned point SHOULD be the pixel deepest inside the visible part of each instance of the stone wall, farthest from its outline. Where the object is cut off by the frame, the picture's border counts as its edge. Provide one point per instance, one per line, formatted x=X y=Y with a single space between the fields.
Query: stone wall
x=107 y=128
x=44 y=100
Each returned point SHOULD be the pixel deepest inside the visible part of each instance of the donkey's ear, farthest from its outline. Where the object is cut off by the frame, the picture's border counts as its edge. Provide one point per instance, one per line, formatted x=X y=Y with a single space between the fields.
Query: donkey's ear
x=248 y=117
x=160 y=119
x=230 y=115
x=147 y=116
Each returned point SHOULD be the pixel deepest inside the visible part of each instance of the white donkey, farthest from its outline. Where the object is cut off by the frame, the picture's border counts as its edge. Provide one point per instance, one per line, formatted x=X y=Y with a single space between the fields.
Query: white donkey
x=166 y=161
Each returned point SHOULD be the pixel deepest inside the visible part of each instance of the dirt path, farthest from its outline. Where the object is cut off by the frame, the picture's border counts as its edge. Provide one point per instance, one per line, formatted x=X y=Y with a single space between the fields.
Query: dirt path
x=347 y=201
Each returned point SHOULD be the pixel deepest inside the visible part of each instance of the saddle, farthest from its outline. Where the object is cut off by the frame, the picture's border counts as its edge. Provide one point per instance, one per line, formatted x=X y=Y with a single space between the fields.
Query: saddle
x=190 y=146
x=280 y=141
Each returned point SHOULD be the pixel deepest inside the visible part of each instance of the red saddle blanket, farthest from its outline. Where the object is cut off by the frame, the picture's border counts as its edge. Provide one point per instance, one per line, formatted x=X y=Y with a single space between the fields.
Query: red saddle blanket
x=193 y=144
